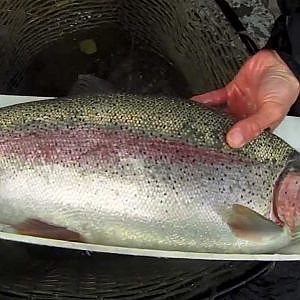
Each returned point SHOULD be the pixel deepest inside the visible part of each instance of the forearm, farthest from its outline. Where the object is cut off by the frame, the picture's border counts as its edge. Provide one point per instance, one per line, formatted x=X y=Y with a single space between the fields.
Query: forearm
x=285 y=36
x=288 y=7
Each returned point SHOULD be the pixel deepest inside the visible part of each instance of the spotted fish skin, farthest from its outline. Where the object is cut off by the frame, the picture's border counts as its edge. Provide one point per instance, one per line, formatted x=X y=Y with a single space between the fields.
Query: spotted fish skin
x=134 y=171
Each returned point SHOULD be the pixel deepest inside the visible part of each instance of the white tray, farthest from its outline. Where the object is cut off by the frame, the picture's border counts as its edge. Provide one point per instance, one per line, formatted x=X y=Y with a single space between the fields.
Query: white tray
x=288 y=130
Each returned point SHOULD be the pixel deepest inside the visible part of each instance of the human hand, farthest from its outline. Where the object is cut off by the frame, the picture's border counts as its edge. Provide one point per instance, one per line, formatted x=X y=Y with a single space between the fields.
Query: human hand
x=260 y=95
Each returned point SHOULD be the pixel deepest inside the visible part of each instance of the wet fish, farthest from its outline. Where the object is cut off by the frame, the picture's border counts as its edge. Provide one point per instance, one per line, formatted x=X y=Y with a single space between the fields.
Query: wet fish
x=144 y=172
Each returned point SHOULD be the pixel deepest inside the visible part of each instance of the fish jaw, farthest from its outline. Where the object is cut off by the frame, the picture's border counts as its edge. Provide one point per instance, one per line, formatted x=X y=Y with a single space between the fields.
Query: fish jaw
x=286 y=204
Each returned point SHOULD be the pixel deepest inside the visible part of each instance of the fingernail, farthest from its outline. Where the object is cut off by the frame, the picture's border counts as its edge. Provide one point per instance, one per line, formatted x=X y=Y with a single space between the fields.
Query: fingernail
x=236 y=138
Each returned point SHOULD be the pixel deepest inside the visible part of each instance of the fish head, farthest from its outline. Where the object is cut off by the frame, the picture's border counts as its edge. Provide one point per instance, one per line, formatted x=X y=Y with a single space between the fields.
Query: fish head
x=286 y=198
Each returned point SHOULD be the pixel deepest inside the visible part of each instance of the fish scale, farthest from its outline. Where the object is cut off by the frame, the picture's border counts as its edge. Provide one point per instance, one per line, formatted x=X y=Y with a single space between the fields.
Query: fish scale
x=159 y=116
x=134 y=171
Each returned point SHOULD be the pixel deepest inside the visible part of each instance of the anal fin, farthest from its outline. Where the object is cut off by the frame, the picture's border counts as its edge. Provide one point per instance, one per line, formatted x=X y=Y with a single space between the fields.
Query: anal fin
x=37 y=228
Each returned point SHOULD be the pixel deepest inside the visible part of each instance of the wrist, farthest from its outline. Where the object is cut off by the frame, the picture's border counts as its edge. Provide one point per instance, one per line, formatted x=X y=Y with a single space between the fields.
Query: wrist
x=285 y=40
x=290 y=62
x=289 y=75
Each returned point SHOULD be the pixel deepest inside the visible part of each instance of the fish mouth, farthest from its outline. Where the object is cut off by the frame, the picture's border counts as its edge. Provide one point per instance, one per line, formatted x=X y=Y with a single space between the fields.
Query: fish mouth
x=286 y=197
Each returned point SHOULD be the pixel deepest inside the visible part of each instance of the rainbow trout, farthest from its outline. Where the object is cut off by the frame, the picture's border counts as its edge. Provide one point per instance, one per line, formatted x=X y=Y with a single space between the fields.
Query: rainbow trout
x=144 y=172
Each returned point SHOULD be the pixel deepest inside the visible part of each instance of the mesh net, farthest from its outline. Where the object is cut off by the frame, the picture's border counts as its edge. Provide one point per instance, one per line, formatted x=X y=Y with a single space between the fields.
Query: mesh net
x=33 y=272
x=193 y=36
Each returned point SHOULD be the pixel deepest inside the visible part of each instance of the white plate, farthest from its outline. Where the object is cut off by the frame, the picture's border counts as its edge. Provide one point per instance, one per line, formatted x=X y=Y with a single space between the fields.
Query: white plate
x=144 y=252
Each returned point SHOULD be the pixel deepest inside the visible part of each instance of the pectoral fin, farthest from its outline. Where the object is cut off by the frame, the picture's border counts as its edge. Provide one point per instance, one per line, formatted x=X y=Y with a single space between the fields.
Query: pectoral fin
x=249 y=225
x=38 y=228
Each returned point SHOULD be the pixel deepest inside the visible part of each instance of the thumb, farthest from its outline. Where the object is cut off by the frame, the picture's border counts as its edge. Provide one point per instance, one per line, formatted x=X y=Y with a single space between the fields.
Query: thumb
x=216 y=97
x=246 y=130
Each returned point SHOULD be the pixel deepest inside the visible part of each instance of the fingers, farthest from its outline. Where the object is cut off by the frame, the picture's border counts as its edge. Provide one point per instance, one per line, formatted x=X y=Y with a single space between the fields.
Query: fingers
x=216 y=97
x=246 y=130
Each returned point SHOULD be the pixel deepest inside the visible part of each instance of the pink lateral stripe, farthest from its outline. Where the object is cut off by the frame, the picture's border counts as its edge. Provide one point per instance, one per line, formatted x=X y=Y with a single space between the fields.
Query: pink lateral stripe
x=75 y=144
